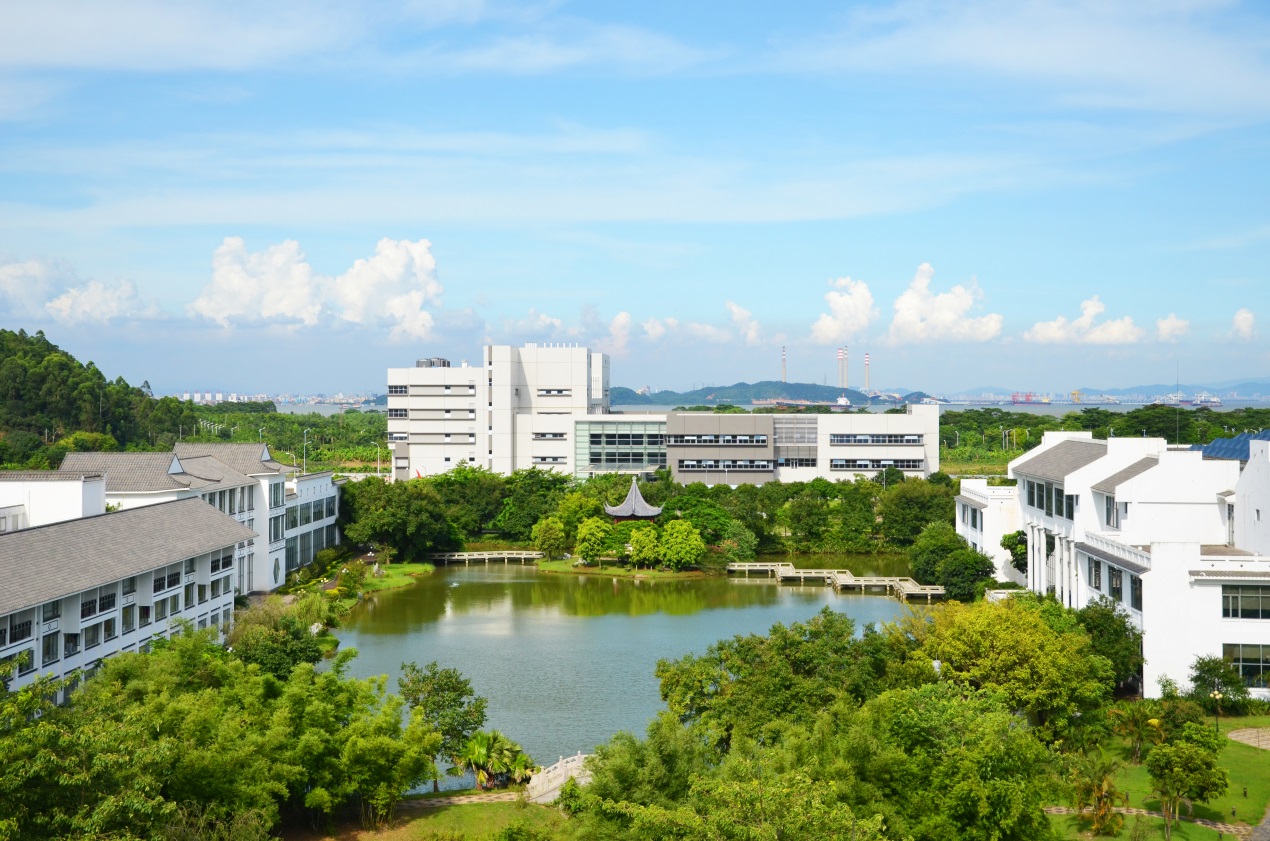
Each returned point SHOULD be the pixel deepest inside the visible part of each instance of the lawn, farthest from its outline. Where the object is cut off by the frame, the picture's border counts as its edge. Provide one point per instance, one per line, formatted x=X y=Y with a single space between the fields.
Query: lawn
x=1071 y=827
x=396 y=575
x=472 y=822
x=612 y=571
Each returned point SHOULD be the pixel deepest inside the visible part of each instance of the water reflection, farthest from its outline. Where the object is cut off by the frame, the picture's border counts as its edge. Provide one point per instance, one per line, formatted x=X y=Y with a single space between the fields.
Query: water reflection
x=566 y=661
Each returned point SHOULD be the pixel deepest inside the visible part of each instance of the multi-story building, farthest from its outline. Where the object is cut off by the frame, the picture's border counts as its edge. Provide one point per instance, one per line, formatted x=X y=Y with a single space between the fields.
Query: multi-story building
x=75 y=592
x=985 y=514
x=1167 y=534
x=547 y=406
x=31 y=498
x=312 y=502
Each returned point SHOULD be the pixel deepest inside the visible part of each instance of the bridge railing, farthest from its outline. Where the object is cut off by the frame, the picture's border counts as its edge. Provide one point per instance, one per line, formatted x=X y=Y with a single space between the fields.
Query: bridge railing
x=545 y=786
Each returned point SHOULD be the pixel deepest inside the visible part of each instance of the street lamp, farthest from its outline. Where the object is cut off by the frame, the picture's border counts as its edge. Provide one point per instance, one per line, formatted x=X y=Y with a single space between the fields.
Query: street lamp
x=262 y=434
x=305 y=452
x=1216 y=696
x=376 y=458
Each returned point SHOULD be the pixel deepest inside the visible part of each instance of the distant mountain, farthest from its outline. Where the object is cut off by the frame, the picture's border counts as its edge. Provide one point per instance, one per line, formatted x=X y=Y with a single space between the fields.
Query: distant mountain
x=1221 y=389
x=742 y=393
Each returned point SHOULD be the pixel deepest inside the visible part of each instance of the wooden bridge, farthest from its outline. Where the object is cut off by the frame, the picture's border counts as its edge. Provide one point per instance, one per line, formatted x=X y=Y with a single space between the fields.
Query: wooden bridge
x=520 y=556
x=544 y=786
x=902 y=587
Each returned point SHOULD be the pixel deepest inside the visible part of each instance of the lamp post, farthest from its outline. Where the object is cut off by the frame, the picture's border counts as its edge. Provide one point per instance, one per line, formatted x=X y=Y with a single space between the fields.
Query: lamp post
x=305 y=452
x=1216 y=696
x=376 y=458
x=261 y=434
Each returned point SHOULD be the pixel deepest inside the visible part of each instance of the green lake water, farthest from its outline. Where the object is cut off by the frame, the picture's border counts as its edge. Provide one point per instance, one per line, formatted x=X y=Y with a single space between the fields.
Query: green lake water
x=566 y=661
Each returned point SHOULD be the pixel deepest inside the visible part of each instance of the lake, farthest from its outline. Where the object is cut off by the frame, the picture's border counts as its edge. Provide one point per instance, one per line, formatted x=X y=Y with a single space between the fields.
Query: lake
x=566 y=661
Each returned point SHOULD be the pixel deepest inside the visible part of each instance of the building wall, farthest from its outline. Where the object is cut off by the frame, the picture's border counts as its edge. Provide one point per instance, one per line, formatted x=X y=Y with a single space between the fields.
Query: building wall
x=309 y=532
x=53 y=500
x=1177 y=500
x=998 y=516
x=1252 y=501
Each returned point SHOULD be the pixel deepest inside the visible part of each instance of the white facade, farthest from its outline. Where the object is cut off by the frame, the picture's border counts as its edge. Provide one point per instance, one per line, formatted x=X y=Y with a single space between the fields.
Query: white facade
x=985 y=514
x=515 y=410
x=312 y=502
x=1252 y=513
x=31 y=498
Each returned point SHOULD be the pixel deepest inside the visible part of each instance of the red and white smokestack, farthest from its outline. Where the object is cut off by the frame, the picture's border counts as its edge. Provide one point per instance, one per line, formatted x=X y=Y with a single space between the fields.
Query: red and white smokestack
x=866 y=372
x=840 y=367
x=783 y=364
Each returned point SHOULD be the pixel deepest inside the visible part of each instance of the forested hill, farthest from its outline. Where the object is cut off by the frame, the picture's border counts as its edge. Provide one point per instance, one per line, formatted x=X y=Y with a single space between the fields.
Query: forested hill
x=736 y=393
x=51 y=403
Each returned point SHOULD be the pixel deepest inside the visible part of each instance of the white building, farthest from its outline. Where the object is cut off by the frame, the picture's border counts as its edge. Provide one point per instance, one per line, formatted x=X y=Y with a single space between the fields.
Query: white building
x=75 y=592
x=985 y=514
x=30 y=498
x=1169 y=535
x=547 y=406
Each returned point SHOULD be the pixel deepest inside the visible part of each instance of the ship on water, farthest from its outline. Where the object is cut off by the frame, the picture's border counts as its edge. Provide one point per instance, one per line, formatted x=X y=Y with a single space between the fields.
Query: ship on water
x=1027 y=398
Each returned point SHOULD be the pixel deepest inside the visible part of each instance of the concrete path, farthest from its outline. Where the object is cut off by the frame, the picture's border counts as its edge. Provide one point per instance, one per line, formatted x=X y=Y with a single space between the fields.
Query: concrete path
x=460 y=800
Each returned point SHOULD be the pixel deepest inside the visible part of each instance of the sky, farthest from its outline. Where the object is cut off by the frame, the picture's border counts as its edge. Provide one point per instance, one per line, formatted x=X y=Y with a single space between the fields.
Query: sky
x=295 y=196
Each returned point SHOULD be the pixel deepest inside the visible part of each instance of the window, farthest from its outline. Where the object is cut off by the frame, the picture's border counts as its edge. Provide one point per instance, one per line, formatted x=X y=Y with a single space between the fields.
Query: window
x=293 y=517
x=275 y=528
x=276 y=494
x=330 y=506
x=129 y=617
x=1031 y=492
x=836 y=439
x=293 y=554
x=1116 y=578
x=174 y=605
x=1109 y=513
x=160 y=610
x=50 y=611
x=88 y=605
x=189 y=593
x=1049 y=499
x=92 y=637
x=144 y=612
x=202 y=594
x=1245 y=601
x=70 y=645
x=130 y=586
x=51 y=654
x=1252 y=662
x=397 y=389
x=109 y=628
x=106 y=599
x=1135 y=592
x=251 y=497
x=305 y=512
x=1095 y=574
x=796 y=462
x=398 y=413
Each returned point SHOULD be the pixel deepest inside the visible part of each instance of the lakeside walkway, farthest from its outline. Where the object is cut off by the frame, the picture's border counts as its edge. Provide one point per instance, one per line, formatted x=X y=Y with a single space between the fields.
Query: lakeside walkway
x=520 y=556
x=902 y=587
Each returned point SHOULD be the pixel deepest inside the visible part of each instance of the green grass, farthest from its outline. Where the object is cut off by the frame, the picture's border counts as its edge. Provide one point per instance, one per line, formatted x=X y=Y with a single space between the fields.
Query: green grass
x=612 y=571
x=396 y=575
x=974 y=468
x=1071 y=827
x=475 y=821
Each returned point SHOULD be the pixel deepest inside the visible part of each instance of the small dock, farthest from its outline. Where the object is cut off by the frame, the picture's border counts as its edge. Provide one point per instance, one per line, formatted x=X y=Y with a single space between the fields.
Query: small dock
x=902 y=587
x=507 y=556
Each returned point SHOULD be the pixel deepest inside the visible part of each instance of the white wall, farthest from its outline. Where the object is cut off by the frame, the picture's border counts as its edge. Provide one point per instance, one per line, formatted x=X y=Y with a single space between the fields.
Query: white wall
x=999 y=517
x=1252 y=501
x=1177 y=500
x=54 y=500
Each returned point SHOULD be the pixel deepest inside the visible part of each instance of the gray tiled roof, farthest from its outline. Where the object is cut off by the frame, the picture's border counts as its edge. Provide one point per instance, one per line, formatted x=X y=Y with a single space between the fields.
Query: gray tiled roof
x=47 y=475
x=1139 y=467
x=136 y=472
x=215 y=470
x=633 y=506
x=1116 y=560
x=49 y=562
x=248 y=459
x=1063 y=458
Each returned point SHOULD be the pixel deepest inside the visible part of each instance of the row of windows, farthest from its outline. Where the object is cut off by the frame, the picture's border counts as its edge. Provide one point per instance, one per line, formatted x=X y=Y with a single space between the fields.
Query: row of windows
x=233 y=500
x=1245 y=601
x=744 y=464
x=397 y=390
x=598 y=457
x=307 y=512
x=549 y=459
x=398 y=413
x=554 y=392
x=971 y=516
x=1115 y=583
x=1050 y=498
x=719 y=440
x=624 y=439
x=875 y=439
x=549 y=436
x=1252 y=661
x=874 y=463
x=796 y=462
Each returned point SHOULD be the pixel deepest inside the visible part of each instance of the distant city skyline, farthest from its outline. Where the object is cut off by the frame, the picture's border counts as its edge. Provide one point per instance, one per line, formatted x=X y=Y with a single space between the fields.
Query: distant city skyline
x=1048 y=195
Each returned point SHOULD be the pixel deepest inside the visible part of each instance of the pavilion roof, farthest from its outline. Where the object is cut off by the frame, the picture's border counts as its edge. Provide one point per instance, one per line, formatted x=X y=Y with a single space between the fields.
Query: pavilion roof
x=633 y=506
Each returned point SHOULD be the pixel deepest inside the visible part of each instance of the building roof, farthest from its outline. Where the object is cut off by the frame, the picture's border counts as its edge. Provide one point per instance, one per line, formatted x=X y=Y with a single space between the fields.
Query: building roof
x=47 y=475
x=48 y=562
x=1063 y=458
x=1115 y=560
x=248 y=459
x=1108 y=485
x=214 y=470
x=135 y=472
x=633 y=506
x=1237 y=448
x=972 y=502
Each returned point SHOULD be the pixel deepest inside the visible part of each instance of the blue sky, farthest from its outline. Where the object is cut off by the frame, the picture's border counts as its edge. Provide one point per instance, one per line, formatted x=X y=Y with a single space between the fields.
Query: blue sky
x=293 y=196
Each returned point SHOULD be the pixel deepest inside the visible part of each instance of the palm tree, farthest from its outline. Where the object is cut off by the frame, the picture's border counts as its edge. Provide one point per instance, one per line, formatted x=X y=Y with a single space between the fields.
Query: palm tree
x=1138 y=721
x=521 y=768
x=476 y=758
x=1094 y=789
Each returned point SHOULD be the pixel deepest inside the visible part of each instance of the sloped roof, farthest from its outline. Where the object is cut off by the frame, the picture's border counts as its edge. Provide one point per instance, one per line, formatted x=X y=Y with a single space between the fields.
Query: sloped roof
x=248 y=459
x=633 y=506
x=1139 y=467
x=1114 y=560
x=48 y=562
x=214 y=470
x=1063 y=458
x=973 y=503
x=47 y=475
x=136 y=472
x=1237 y=448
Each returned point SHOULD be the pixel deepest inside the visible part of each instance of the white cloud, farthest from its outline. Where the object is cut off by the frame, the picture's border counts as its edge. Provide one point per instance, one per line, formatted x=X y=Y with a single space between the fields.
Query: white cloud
x=392 y=288
x=851 y=311
x=745 y=323
x=1083 y=330
x=26 y=286
x=653 y=329
x=923 y=316
x=1244 y=325
x=615 y=344
x=707 y=332
x=96 y=302
x=1172 y=328
x=535 y=325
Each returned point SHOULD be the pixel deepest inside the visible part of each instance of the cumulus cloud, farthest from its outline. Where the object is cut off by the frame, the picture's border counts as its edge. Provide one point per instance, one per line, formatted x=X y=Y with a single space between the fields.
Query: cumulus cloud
x=1244 y=325
x=40 y=289
x=1172 y=328
x=535 y=324
x=924 y=316
x=99 y=303
x=656 y=329
x=745 y=323
x=619 y=335
x=393 y=288
x=851 y=311
x=653 y=329
x=1084 y=330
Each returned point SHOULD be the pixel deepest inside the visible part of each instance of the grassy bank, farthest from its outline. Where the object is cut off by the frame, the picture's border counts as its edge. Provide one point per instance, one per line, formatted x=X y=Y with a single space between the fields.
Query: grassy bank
x=393 y=576
x=471 y=822
x=615 y=571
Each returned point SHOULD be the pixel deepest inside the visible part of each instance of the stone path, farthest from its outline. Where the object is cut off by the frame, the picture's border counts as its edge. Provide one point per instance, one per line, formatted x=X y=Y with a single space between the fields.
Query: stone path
x=460 y=800
x=1241 y=832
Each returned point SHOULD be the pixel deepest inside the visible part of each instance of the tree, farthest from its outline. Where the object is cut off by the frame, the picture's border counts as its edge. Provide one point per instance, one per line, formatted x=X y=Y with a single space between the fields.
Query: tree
x=444 y=699
x=1114 y=636
x=591 y=536
x=277 y=650
x=935 y=542
x=405 y=516
x=1016 y=544
x=908 y=507
x=962 y=571
x=709 y=518
x=681 y=545
x=1184 y=771
x=807 y=516
x=1094 y=788
x=1139 y=722
x=574 y=508
x=548 y=535
x=1216 y=674
x=645 y=546
x=531 y=495
x=738 y=543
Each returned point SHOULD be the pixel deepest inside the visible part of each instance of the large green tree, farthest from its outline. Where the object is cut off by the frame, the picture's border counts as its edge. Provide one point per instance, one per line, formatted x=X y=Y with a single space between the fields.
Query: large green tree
x=908 y=507
x=681 y=545
x=407 y=517
x=446 y=702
